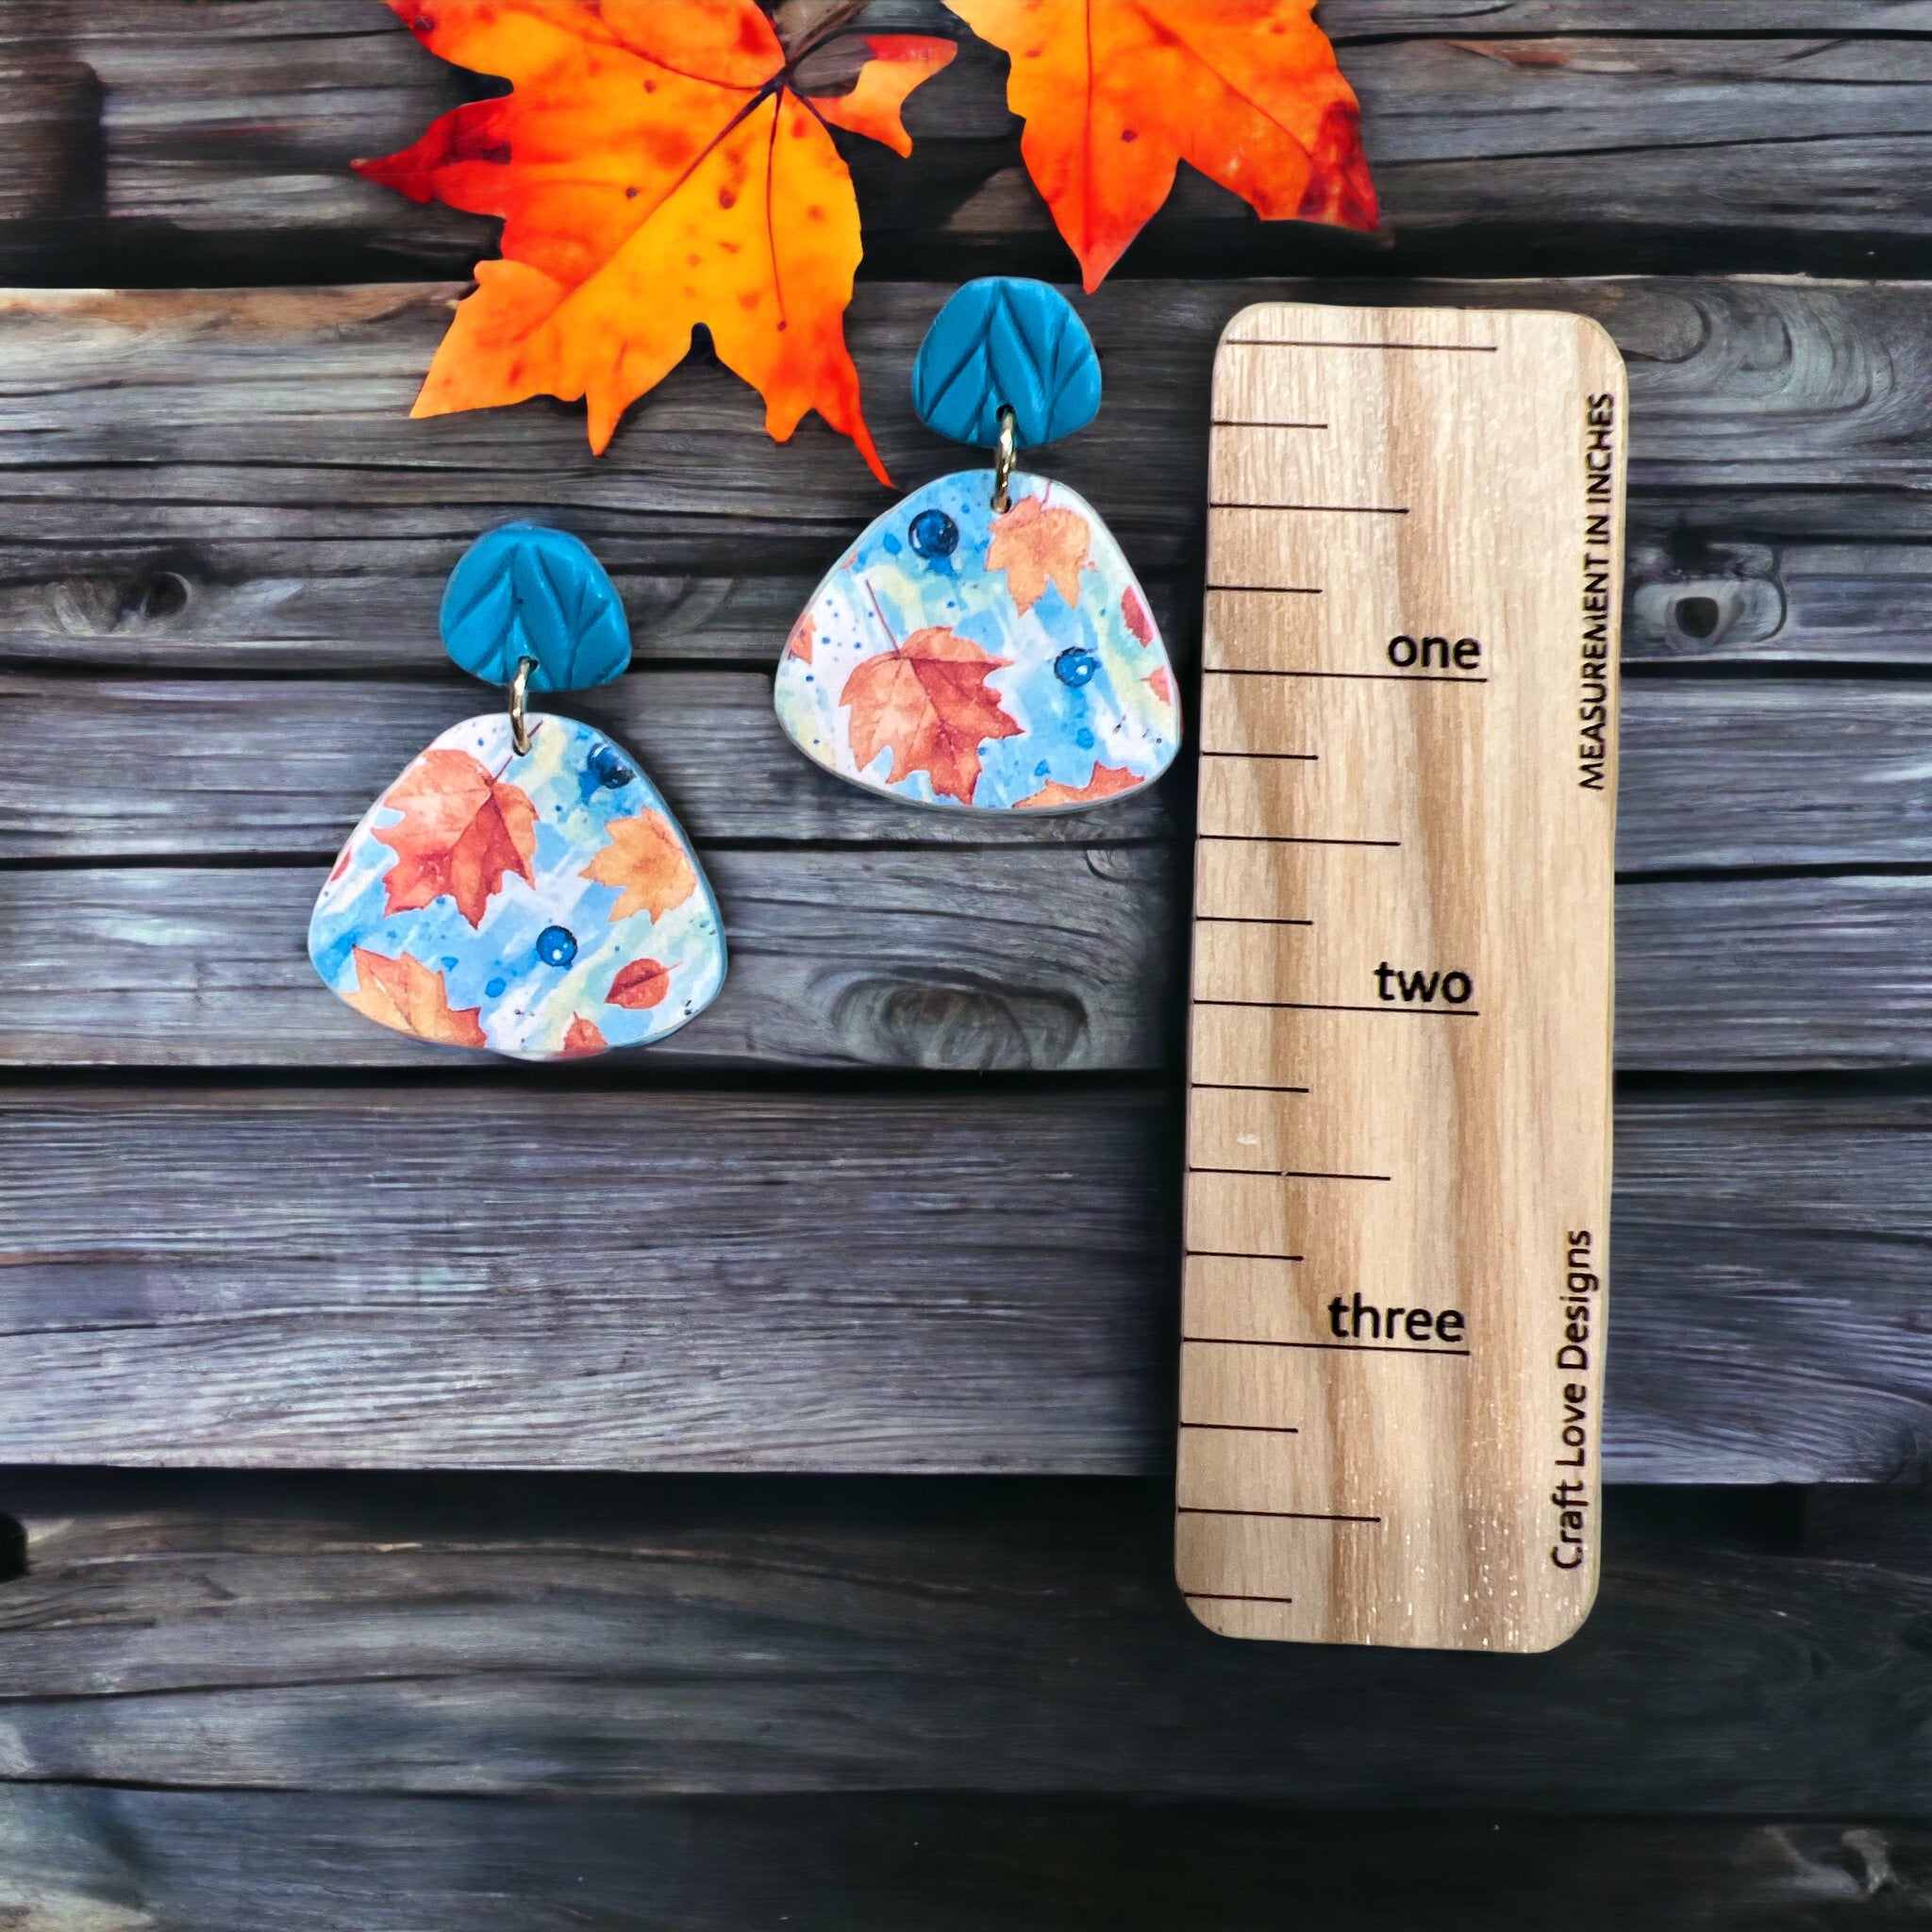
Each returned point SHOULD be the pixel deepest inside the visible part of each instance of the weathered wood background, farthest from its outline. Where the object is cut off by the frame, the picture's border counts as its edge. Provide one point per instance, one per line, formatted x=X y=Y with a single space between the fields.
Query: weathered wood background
x=867 y=1280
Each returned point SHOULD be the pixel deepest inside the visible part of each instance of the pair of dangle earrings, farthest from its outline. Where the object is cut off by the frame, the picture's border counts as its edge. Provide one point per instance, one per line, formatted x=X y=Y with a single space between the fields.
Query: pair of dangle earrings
x=984 y=646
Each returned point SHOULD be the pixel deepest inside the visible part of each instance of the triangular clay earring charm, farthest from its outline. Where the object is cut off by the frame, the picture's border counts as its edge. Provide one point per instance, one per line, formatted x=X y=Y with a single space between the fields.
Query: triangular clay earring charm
x=521 y=887
x=985 y=646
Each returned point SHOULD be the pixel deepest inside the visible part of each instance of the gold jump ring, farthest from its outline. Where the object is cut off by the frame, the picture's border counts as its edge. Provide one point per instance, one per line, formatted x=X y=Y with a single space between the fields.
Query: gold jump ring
x=519 y=691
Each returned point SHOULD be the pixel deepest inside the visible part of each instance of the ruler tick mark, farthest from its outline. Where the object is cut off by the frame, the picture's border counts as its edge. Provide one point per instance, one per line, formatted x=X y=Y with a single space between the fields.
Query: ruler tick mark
x=1289 y=1515
x=1370 y=677
x=1329 y=1347
x=1246 y=1428
x=1293 y=1174
x=1242 y=1087
x=1330 y=1007
x=1237 y=1255
x=1245 y=919
x=1304 y=757
x=1271 y=589
x=1311 y=343
x=1340 y=509
x=1283 y=838
x=1230 y=1596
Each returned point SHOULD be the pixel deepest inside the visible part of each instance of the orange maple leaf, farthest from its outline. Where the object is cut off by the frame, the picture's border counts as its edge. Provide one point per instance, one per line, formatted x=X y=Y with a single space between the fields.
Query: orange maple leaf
x=640 y=985
x=1036 y=546
x=413 y=998
x=1115 y=92
x=645 y=861
x=1160 y=684
x=1104 y=783
x=656 y=168
x=462 y=832
x=799 y=644
x=928 y=705
x=1135 y=615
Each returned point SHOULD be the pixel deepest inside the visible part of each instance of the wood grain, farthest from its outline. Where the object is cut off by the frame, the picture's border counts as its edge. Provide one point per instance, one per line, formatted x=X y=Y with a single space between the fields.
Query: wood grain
x=1721 y=774
x=293 y=518
x=1048 y=961
x=1598 y=137
x=572 y=1273
x=1055 y=961
x=1426 y=1138
x=580 y=1638
x=87 y=1859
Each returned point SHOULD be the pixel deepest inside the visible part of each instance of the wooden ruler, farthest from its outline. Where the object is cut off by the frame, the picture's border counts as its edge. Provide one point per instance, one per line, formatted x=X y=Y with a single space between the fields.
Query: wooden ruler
x=1399 y=1125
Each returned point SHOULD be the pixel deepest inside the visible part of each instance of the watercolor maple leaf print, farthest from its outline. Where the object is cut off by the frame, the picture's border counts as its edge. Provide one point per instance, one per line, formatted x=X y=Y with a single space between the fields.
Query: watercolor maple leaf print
x=412 y=998
x=927 y=703
x=656 y=168
x=1114 y=92
x=463 y=831
x=1036 y=546
x=645 y=861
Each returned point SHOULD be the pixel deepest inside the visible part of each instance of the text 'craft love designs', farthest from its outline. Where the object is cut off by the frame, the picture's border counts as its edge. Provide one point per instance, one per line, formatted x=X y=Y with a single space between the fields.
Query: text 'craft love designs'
x=972 y=659
x=543 y=905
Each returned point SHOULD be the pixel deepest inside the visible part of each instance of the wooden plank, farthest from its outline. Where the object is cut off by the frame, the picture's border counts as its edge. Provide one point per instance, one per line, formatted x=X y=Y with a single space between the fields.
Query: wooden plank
x=1047 y=960
x=215 y=145
x=1718 y=774
x=256 y=499
x=1053 y=961
x=577 y=1637
x=563 y=1272
x=119 y=1860
x=1428 y=1136
x=213 y=768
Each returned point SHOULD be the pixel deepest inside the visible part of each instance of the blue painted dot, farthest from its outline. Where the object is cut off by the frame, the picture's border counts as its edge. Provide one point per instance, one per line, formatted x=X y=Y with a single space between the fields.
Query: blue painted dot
x=1084 y=739
x=494 y=990
x=1041 y=769
x=891 y=544
x=934 y=533
x=1074 y=666
x=611 y=769
x=556 y=945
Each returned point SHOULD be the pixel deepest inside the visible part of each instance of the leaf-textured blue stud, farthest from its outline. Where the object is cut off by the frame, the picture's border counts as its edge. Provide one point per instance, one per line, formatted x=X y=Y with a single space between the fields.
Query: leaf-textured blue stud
x=1001 y=341
x=523 y=591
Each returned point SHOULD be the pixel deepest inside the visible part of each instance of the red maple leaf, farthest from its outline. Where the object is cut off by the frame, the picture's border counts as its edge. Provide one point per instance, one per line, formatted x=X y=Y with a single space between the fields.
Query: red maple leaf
x=656 y=168
x=412 y=998
x=640 y=985
x=583 y=1038
x=462 y=832
x=1133 y=614
x=1115 y=92
x=1106 y=782
x=926 y=702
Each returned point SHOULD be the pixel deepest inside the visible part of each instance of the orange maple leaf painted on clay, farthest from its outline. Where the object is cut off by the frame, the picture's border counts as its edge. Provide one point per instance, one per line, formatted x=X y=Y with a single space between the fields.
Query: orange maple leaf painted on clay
x=655 y=169
x=1160 y=684
x=462 y=832
x=641 y=985
x=1135 y=615
x=1036 y=546
x=799 y=644
x=928 y=705
x=645 y=861
x=1115 y=92
x=413 y=998
x=1106 y=782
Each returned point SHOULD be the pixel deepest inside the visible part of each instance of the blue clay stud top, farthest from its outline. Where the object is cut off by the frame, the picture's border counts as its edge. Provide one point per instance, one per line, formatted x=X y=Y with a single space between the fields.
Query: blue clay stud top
x=523 y=591
x=999 y=340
